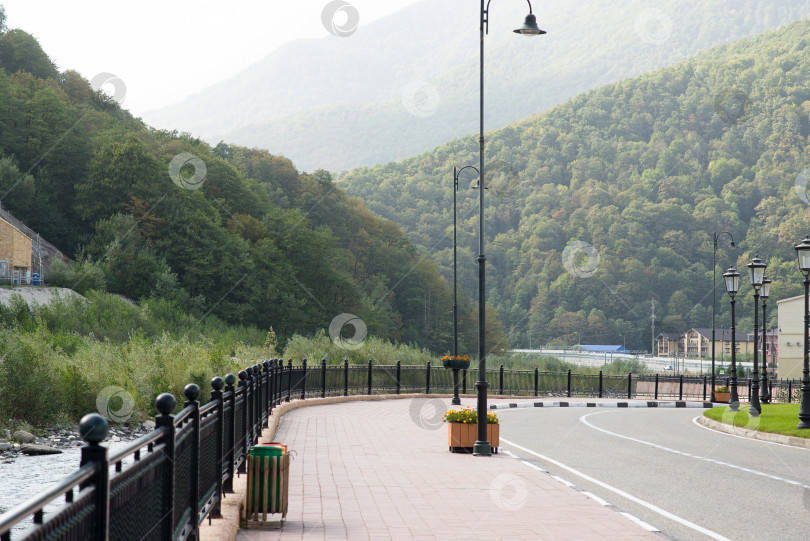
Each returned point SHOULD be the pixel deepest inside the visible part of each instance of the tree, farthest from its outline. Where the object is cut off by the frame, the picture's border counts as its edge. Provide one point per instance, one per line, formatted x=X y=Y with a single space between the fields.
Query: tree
x=20 y=51
x=2 y=19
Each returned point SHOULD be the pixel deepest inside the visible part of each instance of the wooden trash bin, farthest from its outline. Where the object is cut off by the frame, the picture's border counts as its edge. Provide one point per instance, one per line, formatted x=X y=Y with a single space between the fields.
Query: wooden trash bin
x=267 y=487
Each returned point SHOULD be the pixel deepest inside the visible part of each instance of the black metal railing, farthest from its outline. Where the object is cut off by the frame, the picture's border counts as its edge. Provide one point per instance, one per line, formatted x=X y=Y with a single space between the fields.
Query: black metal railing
x=164 y=484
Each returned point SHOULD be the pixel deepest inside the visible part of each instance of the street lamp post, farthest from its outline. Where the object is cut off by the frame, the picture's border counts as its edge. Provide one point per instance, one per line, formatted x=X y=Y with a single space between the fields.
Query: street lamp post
x=756 y=270
x=456 y=401
x=803 y=254
x=765 y=390
x=732 y=278
x=714 y=290
x=482 y=446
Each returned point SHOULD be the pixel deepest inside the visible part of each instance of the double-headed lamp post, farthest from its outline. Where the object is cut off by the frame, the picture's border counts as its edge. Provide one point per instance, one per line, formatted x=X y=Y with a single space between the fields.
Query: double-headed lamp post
x=714 y=290
x=765 y=389
x=456 y=173
x=482 y=446
x=732 y=278
x=756 y=270
x=803 y=254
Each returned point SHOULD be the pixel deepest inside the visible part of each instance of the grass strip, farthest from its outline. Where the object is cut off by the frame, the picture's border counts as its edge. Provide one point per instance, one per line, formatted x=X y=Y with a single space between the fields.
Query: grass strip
x=775 y=418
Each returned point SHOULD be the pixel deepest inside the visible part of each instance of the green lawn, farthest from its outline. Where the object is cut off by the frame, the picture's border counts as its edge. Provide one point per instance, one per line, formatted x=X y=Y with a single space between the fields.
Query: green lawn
x=775 y=418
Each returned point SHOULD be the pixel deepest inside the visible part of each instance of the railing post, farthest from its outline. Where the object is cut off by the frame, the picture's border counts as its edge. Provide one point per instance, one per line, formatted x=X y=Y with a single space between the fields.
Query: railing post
x=680 y=388
x=345 y=377
x=629 y=385
x=749 y=389
x=93 y=429
x=230 y=458
x=271 y=386
x=464 y=382
x=369 y=376
x=249 y=407
x=569 y=383
x=500 y=381
x=536 y=382
x=600 y=384
x=257 y=402
x=704 y=387
x=323 y=378
x=192 y=393
x=216 y=396
x=165 y=404
x=790 y=390
x=304 y=381
x=427 y=379
x=243 y=376
x=267 y=404
x=399 y=375
x=656 y=386
x=289 y=379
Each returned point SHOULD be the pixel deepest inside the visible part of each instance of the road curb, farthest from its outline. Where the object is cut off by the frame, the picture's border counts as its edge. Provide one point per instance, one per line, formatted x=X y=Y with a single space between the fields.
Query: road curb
x=608 y=404
x=754 y=434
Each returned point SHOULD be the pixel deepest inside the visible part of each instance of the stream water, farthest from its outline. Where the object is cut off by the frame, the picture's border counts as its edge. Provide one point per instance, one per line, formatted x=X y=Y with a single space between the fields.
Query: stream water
x=27 y=476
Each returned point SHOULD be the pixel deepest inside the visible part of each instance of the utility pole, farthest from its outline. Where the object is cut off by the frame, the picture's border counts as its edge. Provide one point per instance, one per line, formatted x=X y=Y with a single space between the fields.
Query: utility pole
x=652 y=345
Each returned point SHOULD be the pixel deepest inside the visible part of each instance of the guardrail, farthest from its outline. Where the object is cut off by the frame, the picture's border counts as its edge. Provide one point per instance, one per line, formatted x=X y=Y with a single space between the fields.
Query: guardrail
x=164 y=484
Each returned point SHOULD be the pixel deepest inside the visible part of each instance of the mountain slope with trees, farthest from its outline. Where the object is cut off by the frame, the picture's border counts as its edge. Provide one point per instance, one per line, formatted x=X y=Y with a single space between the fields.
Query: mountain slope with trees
x=608 y=202
x=406 y=83
x=254 y=243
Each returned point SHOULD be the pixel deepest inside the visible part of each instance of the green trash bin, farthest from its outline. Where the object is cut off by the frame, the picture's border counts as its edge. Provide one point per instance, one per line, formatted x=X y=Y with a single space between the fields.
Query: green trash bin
x=259 y=493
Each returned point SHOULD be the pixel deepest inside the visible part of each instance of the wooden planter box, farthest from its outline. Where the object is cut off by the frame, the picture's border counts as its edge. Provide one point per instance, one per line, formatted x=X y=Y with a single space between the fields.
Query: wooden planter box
x=464 y=435
x=722 y=397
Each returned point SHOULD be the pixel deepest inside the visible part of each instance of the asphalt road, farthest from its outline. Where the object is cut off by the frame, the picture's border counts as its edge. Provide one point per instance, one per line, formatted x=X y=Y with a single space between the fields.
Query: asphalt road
x=660 y=466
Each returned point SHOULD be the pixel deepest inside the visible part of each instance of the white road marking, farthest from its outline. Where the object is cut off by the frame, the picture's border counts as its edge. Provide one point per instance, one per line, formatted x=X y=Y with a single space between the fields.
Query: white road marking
x=563 y=481
x=622 y=493
x=640 y=522
x=594 y=497
x=584 y=421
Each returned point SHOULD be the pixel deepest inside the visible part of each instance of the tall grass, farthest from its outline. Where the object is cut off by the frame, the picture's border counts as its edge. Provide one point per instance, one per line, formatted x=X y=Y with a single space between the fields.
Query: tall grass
x=56 y=359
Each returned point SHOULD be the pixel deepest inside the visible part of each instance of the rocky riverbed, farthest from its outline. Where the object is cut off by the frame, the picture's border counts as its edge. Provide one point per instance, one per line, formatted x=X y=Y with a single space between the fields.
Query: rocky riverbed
x=57 y=440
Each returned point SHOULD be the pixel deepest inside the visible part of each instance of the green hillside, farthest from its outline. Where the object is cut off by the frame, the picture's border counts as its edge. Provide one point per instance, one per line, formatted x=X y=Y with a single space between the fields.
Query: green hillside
x=253 y=243
x=644 y=171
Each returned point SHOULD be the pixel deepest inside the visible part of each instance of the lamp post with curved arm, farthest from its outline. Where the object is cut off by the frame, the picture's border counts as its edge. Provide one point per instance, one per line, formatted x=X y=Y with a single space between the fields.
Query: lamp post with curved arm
x=482 y=446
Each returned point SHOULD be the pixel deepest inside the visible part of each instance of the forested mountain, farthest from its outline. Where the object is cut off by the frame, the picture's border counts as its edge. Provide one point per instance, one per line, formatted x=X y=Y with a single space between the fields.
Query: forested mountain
x=228 y=231
x=609 y=201
x=409 y=82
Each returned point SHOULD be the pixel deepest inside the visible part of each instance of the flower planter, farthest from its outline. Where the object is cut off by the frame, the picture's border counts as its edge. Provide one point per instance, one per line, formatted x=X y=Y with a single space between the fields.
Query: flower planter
x=722 y=397
x=464 y=435
x=456 y=364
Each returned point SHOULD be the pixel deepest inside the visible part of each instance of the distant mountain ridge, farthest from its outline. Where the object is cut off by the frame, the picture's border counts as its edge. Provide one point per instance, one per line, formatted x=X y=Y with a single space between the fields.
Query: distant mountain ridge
x=337 y=103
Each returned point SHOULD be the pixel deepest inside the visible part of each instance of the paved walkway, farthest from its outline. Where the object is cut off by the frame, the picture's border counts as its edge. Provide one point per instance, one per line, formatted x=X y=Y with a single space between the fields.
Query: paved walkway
x=382 y=470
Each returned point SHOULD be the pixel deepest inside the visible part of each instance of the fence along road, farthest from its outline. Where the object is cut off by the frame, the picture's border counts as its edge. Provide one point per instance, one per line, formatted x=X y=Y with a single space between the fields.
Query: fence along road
x=163 y=485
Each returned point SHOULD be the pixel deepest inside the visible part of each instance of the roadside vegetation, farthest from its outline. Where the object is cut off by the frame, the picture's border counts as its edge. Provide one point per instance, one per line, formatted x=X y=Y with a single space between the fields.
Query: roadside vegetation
x=775 y=418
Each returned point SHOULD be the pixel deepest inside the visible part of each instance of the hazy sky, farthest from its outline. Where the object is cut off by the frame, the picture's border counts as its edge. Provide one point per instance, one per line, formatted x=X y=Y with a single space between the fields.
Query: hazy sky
x=166 y=50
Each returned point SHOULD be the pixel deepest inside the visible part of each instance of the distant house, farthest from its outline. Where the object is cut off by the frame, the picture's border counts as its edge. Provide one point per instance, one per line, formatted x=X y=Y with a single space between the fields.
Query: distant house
x=23 y=252
x=15 y=254
x=667 y=344
x=698 y=343
x=789 y=350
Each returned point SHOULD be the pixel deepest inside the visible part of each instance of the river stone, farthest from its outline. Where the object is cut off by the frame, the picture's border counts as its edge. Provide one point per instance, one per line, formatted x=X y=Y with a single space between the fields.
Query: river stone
x=31 y=449
x=24 y=437
x=4 y=446
x=149 y=425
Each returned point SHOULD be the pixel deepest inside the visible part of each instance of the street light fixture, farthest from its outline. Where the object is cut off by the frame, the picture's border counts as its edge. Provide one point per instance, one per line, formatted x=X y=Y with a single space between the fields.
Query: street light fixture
x=456 y=401
x=732 y=278
x=482 y=446
x=756 y=270
x=765 y=390
x=803 y=254
x=714 y=290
